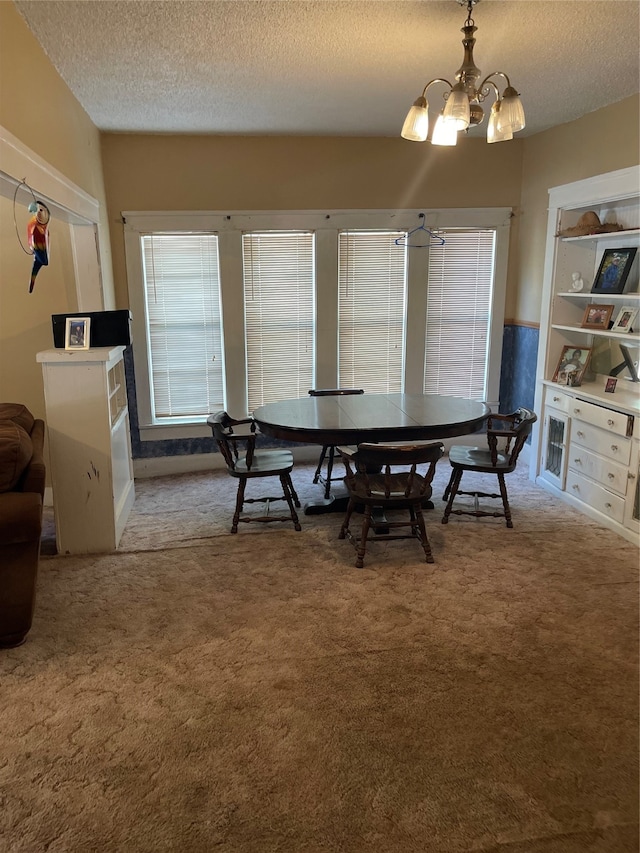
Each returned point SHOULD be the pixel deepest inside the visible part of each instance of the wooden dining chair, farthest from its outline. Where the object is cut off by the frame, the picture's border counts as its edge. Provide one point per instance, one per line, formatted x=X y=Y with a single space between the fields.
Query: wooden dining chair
x=506 y=436
x=400 y=484
x=236 y=440
x=328 y=451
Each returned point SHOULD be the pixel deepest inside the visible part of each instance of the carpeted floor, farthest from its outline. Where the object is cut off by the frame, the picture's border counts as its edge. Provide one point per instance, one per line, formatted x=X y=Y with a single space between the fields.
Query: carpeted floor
x=198 y=692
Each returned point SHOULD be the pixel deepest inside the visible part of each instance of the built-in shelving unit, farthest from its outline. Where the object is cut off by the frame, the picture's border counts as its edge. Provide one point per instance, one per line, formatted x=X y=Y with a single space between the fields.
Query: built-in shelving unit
x=89 y=447
x=585 y=446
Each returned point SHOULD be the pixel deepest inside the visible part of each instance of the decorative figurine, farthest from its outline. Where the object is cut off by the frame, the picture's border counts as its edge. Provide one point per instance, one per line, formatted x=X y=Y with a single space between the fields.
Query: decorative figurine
x=38 y=237
x=577 y=283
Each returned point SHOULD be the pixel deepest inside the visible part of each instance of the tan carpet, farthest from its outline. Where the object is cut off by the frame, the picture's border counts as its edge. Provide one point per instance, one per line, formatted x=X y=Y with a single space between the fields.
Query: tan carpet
x=257 y=693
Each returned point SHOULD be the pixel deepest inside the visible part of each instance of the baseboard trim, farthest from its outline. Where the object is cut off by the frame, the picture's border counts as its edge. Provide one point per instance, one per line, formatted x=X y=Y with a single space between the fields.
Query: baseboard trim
x=163 y=466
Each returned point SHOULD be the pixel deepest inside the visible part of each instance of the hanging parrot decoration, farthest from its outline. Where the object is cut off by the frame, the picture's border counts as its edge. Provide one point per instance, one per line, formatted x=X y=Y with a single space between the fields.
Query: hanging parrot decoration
x=38 y=237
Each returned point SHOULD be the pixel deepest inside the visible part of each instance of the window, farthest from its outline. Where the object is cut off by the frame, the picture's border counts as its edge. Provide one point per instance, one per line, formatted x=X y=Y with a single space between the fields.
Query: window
x=372 y=310
x=237 y=309
x=459 y=300
x=182 y=299
x=279 y=316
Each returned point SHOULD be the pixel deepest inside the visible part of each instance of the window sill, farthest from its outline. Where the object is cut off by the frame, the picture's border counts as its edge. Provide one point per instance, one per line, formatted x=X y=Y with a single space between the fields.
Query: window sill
x=159 y=432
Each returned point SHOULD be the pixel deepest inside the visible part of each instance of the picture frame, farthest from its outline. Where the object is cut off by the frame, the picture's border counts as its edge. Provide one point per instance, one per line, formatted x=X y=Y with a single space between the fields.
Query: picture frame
x=597 y=316
x=626 y=319
x=627 y=363
x=613 y=271
x=77 y=333
x=610 y=385
x=572 y=364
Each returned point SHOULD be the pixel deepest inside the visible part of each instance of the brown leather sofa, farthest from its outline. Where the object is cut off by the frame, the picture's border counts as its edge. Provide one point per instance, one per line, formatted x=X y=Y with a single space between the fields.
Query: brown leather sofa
x=22 y=479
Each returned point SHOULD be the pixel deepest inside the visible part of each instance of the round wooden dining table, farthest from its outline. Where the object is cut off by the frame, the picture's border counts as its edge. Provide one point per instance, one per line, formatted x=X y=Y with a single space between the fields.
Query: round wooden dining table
x=353 y=419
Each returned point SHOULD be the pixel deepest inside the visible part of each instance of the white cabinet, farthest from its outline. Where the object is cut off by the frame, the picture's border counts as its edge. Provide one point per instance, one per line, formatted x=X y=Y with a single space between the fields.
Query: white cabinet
x=585 y=444
x=89 y=447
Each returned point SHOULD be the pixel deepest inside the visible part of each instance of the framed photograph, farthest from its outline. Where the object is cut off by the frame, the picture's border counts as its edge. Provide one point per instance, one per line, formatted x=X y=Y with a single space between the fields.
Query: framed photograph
x=77 y=333
x=614 y=270
x=626 y=319
x=572 y=365
x=597 y=316
x=610 y=386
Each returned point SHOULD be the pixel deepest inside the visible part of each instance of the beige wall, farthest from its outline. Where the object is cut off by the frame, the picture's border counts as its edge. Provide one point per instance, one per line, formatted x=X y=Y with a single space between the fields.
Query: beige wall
x=284 y=173
x=214 y=173
x=55 y=127
x=599 y=142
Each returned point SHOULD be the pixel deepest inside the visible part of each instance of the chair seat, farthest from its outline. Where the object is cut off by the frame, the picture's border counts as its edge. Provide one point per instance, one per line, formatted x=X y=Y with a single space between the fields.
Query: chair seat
x=478 y=458
x=264 y=462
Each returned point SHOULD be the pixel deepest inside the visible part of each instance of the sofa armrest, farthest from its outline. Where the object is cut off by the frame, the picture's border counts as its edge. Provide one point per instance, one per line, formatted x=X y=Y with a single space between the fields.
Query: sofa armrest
x=33 y=479
x=20 y=517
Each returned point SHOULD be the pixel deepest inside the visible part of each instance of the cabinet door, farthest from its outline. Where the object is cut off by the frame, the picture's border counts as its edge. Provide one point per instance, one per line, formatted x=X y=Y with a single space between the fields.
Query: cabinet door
x=632 y=502
x=554 y=447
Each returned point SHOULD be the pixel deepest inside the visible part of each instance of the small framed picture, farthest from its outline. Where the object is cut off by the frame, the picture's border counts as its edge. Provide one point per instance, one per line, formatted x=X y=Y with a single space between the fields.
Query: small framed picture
x=76 y=334
x=614 y=270
x=626 y=319
x=597 y=316
x=572 y=365
x=610 y=386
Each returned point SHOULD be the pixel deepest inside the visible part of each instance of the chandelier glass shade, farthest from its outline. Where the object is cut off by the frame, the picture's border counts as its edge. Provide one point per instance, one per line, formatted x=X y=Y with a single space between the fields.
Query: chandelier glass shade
x=463 y=101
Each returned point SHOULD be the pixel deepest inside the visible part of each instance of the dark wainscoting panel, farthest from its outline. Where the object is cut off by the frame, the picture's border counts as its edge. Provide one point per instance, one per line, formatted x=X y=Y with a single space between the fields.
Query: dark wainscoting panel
x=517 y=384
x=519 y=358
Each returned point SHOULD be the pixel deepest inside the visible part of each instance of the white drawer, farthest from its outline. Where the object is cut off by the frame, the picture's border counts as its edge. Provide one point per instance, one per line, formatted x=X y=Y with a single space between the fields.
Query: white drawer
x=599 y=416
x=557 y=400
x=595 y=496
x=609 y=474
x=612 y=446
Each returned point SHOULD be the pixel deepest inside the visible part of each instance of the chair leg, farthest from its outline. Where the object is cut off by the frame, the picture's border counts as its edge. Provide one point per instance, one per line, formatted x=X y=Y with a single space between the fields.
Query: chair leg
x=323 y=453
x=445 y=496
x=287 y=488
x=294 y=494
x=345 y=524
x=362 y=545
x=505 y=499
x=424 y=539
x=242 y=482
x=451 y=491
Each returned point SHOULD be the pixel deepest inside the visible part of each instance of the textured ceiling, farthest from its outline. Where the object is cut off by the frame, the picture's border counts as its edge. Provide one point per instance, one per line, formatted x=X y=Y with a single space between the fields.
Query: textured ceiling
x=345 y=68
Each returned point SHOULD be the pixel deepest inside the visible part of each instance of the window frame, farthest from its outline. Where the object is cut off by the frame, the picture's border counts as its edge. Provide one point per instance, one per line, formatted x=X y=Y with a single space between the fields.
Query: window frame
x=230 y=225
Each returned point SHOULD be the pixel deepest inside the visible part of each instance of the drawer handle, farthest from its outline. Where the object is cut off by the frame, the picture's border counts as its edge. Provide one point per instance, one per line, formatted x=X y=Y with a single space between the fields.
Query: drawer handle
x=576 y=487
x=611 y=476
x=610 y=422
x=578 y=461
x=608 y=505
x=556 y=399
x=580 y=433
x=576 y=411
x=614 y=447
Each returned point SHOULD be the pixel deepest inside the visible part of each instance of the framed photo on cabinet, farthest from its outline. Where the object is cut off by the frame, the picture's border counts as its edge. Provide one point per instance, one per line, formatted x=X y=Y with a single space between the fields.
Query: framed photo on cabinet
x=572 y=365
x=614 y=270
x=597 y=316
x=625 y=321
x=77 y=333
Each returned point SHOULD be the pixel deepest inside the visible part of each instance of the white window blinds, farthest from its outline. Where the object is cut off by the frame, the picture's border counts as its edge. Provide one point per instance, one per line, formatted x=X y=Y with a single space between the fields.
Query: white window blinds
x=279 y=315
x=371 y=318
x=182 y=293
x=460 y=286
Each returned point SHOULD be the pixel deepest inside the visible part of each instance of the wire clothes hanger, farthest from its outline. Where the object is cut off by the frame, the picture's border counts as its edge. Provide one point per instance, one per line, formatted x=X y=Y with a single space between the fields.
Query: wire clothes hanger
x=426 y=237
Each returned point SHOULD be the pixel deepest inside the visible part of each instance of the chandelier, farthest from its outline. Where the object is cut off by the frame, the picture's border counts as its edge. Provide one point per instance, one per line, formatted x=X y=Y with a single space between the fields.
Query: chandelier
x=463 y=102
